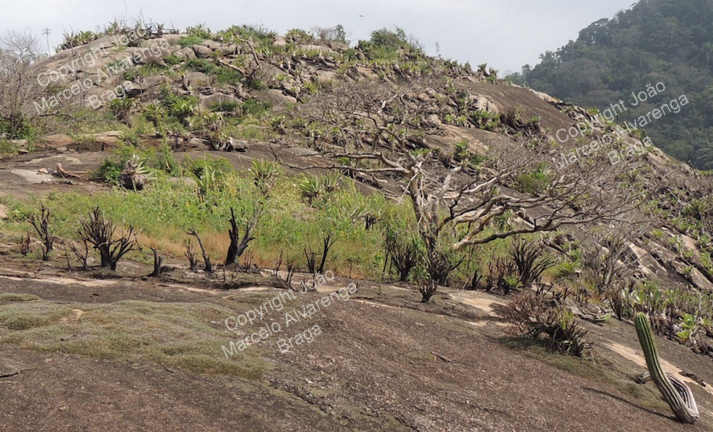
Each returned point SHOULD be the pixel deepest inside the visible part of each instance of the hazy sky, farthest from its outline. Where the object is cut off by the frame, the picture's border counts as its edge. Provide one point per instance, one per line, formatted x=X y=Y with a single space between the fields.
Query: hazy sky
x=504 y=33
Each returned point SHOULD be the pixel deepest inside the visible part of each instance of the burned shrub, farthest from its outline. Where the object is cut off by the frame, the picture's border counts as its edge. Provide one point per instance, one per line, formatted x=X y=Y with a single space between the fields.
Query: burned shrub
x=541 y=318
x=41 y=224
x=99 y=232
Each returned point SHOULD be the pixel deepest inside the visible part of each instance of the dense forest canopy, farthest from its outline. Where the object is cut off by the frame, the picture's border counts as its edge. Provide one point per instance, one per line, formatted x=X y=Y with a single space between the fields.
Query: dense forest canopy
x=656 y=41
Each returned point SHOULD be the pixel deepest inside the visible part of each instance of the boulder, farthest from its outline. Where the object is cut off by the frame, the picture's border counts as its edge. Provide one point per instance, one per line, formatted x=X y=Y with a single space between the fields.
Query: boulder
x=197 y=143
x=274 y=97
x=227 y=49
x=325 y=75
x=201 y=51
x=148 y=43
x=320 y=48
x=237 y=145
x=108 y=139
x=172 y=38
x=213 y=45
x=185 y=54
x=206 y=102
x=198 y=79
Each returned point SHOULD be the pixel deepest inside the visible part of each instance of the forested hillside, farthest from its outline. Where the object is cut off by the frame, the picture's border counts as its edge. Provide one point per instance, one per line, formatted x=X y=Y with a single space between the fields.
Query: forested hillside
x=656 y=41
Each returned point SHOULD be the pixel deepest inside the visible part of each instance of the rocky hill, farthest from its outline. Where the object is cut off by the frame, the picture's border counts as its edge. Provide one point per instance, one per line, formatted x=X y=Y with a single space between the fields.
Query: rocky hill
x=300 y=154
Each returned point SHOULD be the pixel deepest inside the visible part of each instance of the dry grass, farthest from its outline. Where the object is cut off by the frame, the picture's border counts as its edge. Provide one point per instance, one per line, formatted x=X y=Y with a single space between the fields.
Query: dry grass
x=11 y=297
x=187 y=335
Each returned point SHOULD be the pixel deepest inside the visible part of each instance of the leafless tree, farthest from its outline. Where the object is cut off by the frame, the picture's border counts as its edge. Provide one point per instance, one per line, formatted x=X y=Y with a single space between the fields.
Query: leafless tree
x=606 y=254
x=375 y=126
x=190 y=254
x=82 y=255
x=19 y=52
x=206 y=258
x=608 y=260
x=157 y=261
x=237 y=244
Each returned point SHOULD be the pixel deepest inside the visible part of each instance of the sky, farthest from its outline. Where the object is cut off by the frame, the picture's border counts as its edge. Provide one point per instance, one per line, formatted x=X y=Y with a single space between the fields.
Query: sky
x=506 y=34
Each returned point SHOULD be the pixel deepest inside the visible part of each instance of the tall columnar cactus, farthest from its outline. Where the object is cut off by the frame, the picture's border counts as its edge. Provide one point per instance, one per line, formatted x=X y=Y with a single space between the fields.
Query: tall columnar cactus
x=675 y=392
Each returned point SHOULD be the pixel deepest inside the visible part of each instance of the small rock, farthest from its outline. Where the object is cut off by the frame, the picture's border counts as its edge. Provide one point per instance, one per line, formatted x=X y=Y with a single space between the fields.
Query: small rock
x=4 y=211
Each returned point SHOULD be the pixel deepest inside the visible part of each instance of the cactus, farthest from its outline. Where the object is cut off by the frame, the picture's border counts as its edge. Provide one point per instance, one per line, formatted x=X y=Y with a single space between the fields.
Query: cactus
x=675 y=392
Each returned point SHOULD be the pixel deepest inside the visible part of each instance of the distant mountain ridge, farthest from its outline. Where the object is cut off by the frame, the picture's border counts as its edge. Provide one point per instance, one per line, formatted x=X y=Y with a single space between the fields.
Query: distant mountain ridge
x=662 y=42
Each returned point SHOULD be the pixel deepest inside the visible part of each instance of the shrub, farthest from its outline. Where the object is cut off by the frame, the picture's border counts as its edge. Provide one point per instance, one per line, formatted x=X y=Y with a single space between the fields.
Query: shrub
x=109 y=171
x=385 y=44
x=255 y=107
x=534 y=182
x=154 y=113
x=190 y=40
x=297 y=36
x=265 y=174
x=225 y=106
x=200 y=31
x=402 y=249
x=121 y=107
x=530 y=262
x=535 y=316
x=316 y=187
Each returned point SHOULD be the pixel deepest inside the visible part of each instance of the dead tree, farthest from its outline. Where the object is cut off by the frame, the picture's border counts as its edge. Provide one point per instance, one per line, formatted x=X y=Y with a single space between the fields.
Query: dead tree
x=157 y=261
x=311 y=261
x=206 y=258
x=606 y=256
x=19 y=86
x=237 y=244
x=327 y=243
x=609 y=262
x=99 y=232
x=278 y=264
x=82 y=255
x=191 y=255
x=41 y=224
x=375 y=126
